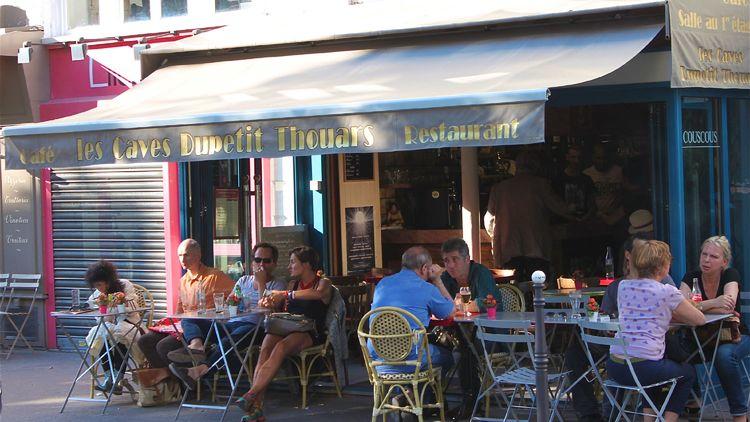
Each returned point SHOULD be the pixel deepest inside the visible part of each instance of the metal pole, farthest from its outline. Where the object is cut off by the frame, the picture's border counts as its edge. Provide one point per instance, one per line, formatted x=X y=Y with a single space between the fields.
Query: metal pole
x=541 y=357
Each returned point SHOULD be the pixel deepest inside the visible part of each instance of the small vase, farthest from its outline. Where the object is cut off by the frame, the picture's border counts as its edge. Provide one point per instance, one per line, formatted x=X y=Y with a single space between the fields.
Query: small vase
x=492 y=312
x=103 y=309
x=593 y=316
x=232 y=310
x=121 y=308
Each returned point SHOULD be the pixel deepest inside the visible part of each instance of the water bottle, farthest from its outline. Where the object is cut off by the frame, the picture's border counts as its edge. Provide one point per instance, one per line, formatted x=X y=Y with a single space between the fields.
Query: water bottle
x=200 y=301
x=695 y=293
x=75 y=299
x=609 y=264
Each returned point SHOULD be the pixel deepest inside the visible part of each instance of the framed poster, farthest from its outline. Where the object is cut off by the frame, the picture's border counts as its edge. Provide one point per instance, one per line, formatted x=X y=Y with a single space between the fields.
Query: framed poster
x=360 y=239
x=285 y=238
x=358 y=167
x=227 y=213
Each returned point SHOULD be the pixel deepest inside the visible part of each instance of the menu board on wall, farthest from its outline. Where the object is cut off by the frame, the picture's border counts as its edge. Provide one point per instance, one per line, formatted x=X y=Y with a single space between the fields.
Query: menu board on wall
x=227 y=218
x=360 y=239
x=358 y=167
x=285 y=238
x=18 y=225
x=710 y=47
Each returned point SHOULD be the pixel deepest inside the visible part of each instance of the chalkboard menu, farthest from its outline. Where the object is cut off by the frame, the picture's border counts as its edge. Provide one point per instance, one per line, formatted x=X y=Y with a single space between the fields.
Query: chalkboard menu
x=285 y=238
x=358 y=167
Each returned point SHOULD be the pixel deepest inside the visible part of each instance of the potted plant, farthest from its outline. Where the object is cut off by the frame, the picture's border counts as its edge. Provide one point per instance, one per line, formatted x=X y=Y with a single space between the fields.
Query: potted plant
x=103 y=302
x=118 y=299
x=490 y=303
x=592 y=309
x=232 y=302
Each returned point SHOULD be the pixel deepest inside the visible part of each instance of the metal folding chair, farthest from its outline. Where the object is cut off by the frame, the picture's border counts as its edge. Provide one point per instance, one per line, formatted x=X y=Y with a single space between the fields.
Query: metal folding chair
x=11 y=308
x=517 y=374
x=745 y=362
x=589 y=335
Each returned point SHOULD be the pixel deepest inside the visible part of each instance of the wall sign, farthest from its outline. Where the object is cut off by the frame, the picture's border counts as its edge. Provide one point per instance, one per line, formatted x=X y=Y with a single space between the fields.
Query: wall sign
x=19 y=246
x=227 y=218
x=710 y=46
x=358 y=167
x=360 y=239
x=700 y=139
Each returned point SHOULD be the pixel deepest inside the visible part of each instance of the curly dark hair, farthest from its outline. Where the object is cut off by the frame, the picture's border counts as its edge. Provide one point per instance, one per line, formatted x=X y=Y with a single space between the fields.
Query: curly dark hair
x=104 y=271
x=306 y=254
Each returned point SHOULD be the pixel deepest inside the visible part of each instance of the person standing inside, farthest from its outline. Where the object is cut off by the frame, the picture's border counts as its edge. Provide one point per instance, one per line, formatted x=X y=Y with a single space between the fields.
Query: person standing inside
x=518 y=219
x=575 y=187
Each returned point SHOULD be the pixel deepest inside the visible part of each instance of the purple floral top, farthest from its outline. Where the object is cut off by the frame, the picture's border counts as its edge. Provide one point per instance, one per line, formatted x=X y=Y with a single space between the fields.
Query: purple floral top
x=645 y=310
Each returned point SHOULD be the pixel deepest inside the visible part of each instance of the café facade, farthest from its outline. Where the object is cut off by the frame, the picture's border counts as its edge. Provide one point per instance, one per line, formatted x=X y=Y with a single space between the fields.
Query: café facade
x=426 y=119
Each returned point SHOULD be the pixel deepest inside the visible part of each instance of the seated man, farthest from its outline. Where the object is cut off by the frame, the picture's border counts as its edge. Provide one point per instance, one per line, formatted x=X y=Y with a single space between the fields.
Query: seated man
x=585 y=403
x=417 y=288
x=460 y=270
x=157 y=345
x=249 y=288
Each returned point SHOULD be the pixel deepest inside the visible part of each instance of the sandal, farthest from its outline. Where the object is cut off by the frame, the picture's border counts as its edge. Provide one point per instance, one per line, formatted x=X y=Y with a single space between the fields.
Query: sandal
x=248 y=402
x=256 y=415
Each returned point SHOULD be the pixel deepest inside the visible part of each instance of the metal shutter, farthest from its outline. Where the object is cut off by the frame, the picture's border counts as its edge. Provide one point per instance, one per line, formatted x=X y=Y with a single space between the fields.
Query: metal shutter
x=107 y=212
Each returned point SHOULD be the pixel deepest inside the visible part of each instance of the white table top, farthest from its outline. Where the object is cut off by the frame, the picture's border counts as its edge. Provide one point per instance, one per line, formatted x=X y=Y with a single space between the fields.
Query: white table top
x=94 y=313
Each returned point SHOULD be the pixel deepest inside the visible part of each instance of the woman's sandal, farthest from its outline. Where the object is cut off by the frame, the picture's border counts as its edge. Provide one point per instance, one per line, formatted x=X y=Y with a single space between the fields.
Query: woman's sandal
x=256 y=415
x=247 y=402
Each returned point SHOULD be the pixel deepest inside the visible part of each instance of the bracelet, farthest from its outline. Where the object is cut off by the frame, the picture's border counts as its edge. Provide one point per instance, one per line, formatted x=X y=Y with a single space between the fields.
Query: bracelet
x=291 y=293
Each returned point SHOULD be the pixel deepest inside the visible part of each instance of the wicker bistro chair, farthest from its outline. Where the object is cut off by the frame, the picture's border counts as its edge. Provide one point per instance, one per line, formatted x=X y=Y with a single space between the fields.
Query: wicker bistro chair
x=517 y=374
x=390 y=331
x=511 y=298
x=144 y=299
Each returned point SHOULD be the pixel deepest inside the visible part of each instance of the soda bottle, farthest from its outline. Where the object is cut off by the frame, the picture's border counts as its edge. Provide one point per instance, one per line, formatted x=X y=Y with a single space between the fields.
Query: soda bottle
x=695 y=293
x=609 y=264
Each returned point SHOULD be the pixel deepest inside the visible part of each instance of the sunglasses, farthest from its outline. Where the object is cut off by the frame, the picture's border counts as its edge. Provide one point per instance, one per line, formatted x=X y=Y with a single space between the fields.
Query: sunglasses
x=263 y=260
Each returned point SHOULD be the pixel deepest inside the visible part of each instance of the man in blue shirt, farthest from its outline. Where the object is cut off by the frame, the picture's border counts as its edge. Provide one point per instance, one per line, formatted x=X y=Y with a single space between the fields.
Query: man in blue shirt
x=417 y=288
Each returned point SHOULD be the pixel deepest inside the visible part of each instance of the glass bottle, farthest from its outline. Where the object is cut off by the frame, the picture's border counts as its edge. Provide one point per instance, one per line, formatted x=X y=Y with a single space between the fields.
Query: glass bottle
x=695 y=292
x=609 y=264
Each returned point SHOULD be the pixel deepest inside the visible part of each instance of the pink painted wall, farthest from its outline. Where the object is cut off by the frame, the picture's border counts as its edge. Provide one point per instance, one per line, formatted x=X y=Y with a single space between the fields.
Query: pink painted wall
x=172 y=234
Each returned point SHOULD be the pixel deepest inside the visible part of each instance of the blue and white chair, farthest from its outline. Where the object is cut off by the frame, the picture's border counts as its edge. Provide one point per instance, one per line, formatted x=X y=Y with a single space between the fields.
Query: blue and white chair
x=518 y=339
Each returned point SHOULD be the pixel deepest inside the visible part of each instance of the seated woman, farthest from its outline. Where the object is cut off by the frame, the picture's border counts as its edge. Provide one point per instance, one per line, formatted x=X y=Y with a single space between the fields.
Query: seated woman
x=102 y=277
x=646 y=307
x=307 y=294
x=720 y=285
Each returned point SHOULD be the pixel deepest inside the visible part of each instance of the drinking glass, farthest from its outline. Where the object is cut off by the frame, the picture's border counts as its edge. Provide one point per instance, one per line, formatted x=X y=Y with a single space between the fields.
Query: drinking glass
x=465 y=293
x=200 y=301
x=219 y=302
x=575 y=299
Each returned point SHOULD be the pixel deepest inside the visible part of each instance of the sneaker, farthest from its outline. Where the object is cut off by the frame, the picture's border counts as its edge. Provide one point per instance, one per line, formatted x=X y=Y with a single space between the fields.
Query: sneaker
x=182 y=355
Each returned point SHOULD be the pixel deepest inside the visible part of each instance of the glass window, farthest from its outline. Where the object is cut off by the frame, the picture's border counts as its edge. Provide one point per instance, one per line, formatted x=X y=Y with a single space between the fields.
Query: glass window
x=137 y=10
x=224 y=5
x=173 y=8
x=702 y=173
x=278 y=192
x=738 y=129
x=82 y=13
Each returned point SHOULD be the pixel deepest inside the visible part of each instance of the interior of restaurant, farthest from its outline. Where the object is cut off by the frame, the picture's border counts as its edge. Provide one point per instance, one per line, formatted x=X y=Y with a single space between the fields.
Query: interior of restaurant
x=423 y=201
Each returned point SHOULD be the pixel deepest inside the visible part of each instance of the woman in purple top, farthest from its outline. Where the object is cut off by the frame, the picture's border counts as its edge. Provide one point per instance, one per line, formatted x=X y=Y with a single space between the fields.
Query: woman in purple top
x=646 y=306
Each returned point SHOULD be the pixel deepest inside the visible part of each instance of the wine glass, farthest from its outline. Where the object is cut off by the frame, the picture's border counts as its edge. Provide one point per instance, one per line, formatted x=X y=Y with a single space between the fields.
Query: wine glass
x=465 y=293
x=575 y=298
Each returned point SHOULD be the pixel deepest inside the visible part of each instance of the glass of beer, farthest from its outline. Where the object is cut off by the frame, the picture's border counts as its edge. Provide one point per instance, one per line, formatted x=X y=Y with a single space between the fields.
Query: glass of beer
x=465 y=293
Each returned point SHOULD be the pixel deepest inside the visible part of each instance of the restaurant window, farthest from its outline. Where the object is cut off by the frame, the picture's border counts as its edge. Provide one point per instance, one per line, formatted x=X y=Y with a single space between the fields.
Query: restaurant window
x=82 y=13
x=225 y=5
x=278 y=192
x=701 y=154
x=173 y=8
x=738 y=129
x=137 y=10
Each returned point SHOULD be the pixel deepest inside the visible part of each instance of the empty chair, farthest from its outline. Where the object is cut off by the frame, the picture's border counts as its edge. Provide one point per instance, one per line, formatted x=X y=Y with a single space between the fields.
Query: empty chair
x=16 y=288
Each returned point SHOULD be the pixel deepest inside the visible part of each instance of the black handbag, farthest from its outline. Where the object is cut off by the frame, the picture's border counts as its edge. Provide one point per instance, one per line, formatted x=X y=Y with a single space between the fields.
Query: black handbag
x=284 y=323
x=444 y=337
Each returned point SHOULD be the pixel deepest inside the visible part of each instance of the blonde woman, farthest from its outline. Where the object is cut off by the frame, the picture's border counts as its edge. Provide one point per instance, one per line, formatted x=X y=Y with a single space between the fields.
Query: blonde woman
x=719 y=285
x=646 y=307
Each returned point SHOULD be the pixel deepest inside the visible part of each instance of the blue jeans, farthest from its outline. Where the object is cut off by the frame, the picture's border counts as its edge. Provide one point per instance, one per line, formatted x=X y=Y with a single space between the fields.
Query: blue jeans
x=653 y=371
x=728 y=358
x=195 y=328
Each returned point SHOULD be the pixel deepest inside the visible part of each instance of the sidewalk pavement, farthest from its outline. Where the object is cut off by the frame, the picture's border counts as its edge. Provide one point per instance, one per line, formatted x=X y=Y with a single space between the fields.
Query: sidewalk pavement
x=34 y=386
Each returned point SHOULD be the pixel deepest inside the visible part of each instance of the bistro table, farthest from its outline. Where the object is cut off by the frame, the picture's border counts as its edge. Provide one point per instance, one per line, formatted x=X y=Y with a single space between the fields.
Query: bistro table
x=595 y=291
x=87 y=360
x=218 y=324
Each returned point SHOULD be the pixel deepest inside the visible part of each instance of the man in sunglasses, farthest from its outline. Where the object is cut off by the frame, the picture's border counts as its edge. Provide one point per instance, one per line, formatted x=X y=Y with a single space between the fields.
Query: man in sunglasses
x=249 y=288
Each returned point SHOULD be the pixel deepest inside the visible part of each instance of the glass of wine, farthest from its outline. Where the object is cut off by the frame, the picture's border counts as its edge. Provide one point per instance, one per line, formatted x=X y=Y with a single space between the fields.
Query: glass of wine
x=465 y=293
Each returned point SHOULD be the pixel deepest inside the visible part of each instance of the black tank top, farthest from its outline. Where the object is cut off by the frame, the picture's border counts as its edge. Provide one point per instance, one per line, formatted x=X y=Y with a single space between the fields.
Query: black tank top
x=311 y=308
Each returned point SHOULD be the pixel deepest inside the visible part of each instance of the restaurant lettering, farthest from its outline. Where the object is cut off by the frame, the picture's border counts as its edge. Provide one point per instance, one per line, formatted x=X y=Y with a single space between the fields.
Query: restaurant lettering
x=709 y=43
x=502 y=124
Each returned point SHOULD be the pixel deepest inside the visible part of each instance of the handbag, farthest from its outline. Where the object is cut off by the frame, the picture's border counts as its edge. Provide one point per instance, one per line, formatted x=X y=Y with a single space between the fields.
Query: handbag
x=284 y=323
x=148 y=377
x=443 y=337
